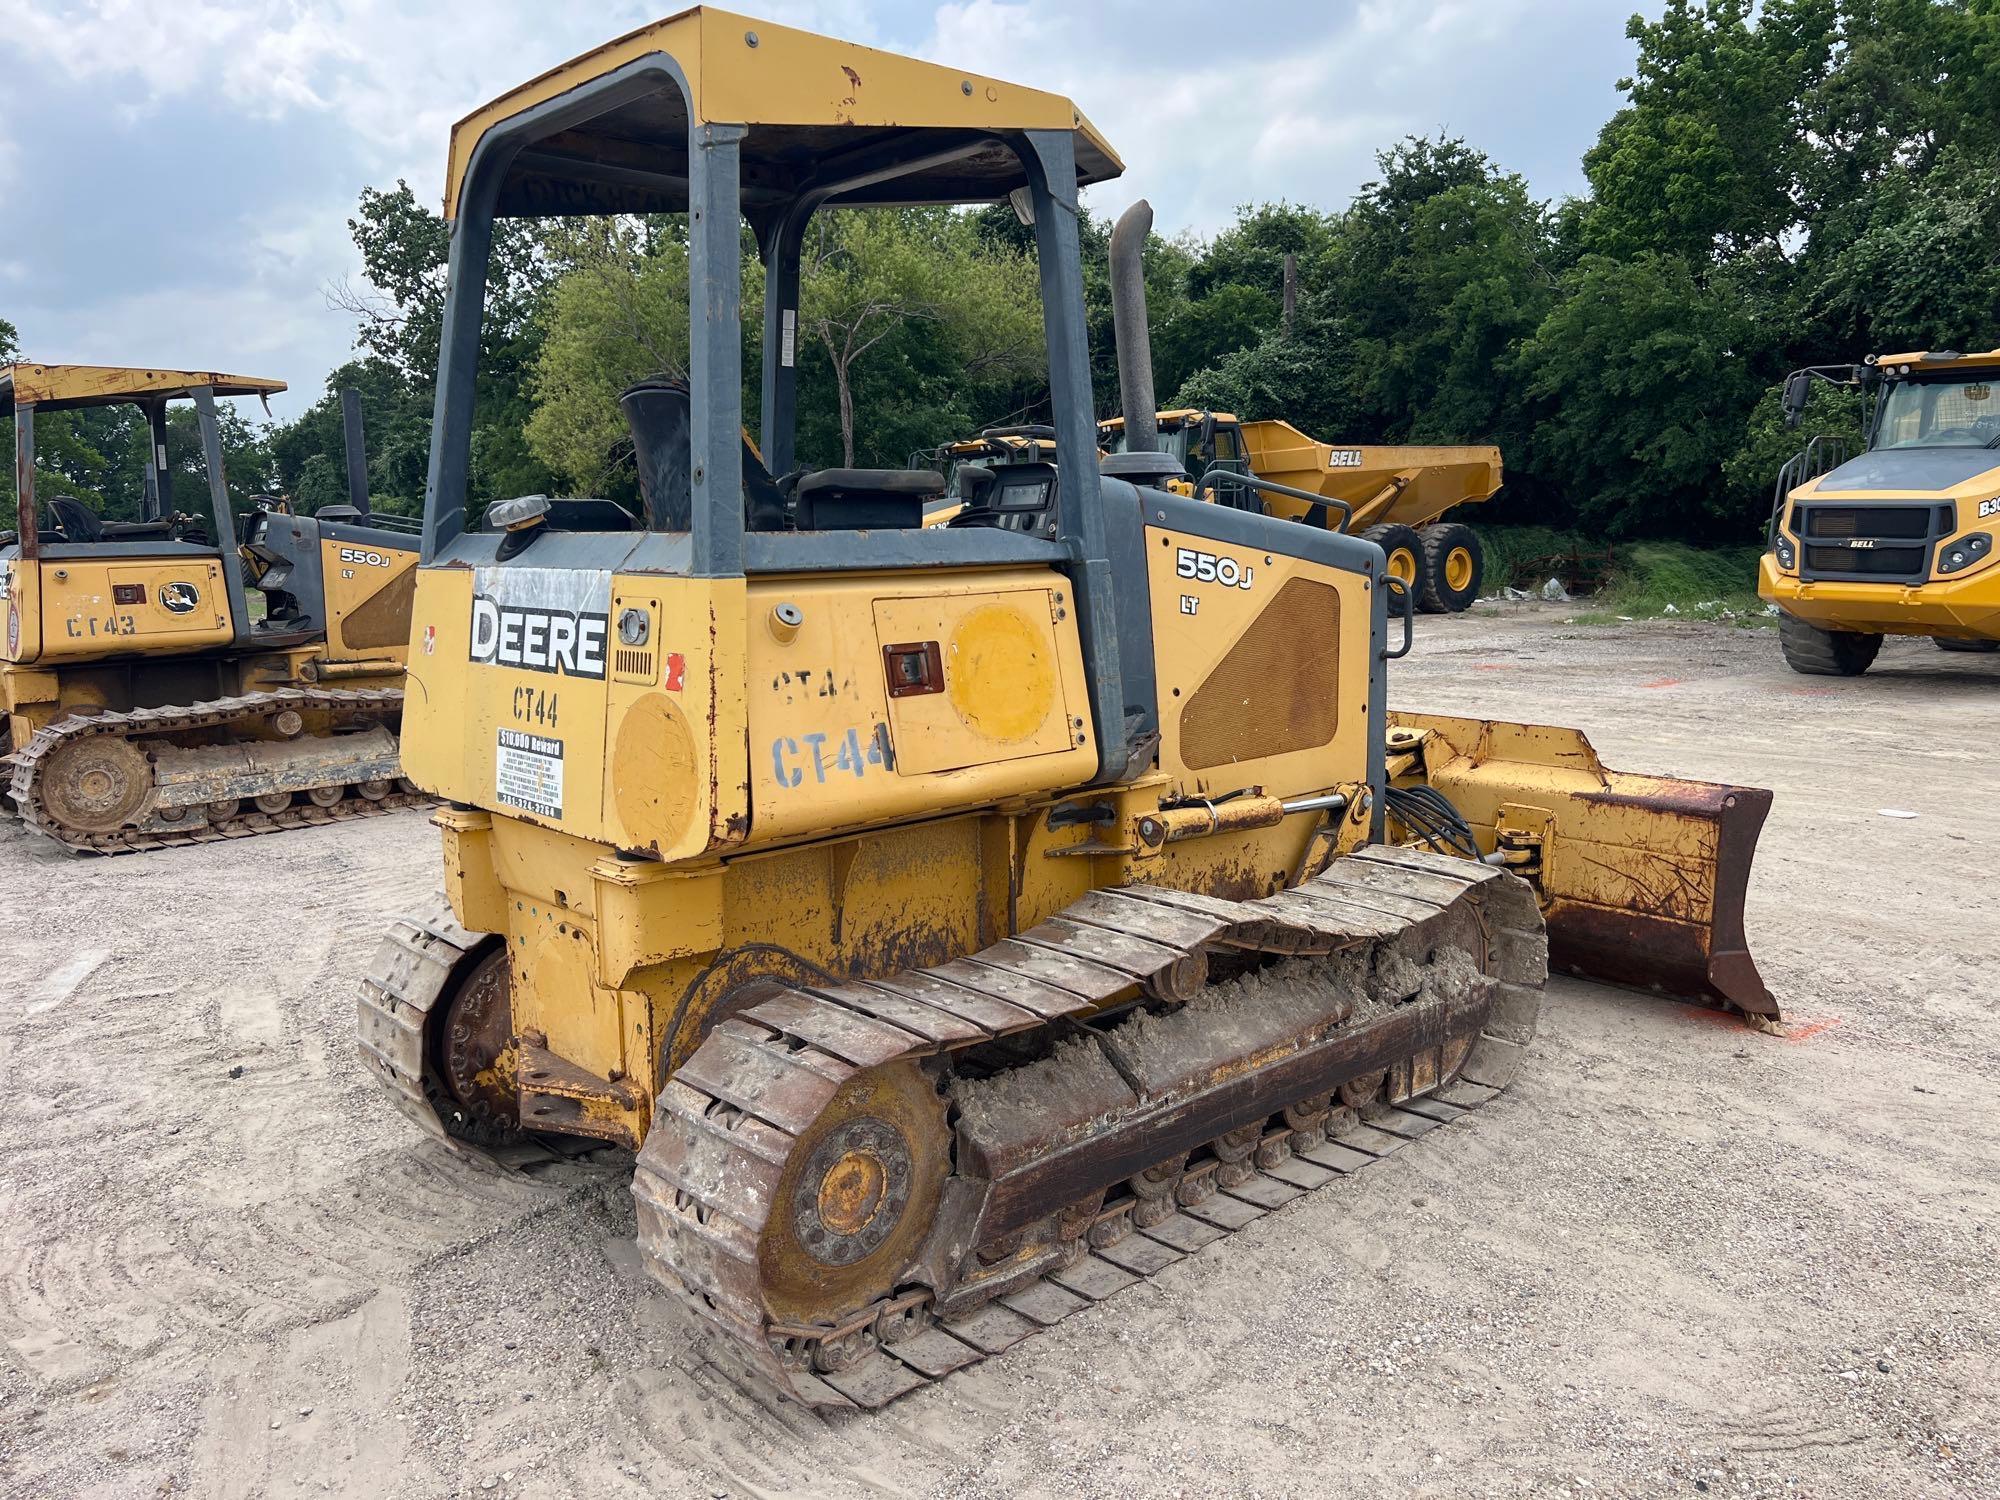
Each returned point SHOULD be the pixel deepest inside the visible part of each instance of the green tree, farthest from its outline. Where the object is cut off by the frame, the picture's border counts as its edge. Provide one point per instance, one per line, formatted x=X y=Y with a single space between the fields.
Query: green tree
x=405 y=249
x=309 y=454
x=1638 y=392
x=1705 y=158
x=914 y=327
x=98 y=455
x=10 y=341
x=1921 y=271
x=916 y=277
x=620 y=315
x=1422 y=289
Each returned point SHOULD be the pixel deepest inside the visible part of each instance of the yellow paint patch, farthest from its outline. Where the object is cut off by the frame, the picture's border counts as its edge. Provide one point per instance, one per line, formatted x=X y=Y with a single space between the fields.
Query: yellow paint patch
x=653 y=771
x=998 y=673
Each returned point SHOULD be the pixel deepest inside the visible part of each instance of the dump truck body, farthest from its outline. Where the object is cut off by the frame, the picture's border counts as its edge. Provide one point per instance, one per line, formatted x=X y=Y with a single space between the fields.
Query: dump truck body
x=1394 y=496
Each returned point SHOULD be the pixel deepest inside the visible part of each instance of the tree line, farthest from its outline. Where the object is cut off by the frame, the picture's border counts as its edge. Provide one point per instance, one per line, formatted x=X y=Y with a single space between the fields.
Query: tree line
x=1791 y=182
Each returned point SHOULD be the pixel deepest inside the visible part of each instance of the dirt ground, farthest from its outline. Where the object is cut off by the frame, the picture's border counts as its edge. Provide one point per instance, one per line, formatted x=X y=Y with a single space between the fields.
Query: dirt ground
x=1677 y=1257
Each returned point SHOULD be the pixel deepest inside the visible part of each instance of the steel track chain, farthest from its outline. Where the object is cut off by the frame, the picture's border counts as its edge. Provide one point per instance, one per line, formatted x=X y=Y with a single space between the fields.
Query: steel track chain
x=381 y=705
x=412 y=968
x=942 y=1347
x=710 y=1166
x=693 y=1246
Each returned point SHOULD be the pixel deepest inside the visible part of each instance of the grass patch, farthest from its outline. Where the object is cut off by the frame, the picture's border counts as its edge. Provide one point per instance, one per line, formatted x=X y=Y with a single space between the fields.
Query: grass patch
x=1640 y=580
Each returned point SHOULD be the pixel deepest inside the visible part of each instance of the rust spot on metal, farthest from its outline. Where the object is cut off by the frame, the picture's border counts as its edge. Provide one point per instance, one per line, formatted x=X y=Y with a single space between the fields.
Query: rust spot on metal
x=1662 y=945
x=1693 y=799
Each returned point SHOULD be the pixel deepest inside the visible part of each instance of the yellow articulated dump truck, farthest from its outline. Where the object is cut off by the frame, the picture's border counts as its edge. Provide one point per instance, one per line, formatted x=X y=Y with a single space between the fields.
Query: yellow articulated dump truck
x=1896 y=534
x=960 y=922
x=143 y=703
x=1393 y=496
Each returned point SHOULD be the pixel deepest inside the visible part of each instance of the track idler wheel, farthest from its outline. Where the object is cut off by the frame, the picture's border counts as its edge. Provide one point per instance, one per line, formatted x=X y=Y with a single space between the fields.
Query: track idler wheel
x=474 y=1059
x=858 y=1196
x=97 y=784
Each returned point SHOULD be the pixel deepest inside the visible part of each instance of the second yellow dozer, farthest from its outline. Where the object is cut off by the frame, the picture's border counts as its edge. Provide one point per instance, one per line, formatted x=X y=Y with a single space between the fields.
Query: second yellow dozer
x=143 y=702
x=960 y=922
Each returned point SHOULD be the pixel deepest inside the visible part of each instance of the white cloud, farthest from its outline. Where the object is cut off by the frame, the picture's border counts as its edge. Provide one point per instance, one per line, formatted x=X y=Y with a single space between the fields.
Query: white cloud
x=1208 y=119
x=393 y=76
x=1264 y=99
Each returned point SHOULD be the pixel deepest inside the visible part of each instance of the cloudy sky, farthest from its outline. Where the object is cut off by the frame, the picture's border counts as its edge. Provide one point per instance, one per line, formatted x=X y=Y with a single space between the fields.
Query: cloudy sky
x=177 y=177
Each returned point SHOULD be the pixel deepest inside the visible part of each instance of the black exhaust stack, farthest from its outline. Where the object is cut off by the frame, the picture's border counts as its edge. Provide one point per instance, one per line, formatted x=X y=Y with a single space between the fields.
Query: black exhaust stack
x=357 y=452
x=1142 y=462
x=1128 y=321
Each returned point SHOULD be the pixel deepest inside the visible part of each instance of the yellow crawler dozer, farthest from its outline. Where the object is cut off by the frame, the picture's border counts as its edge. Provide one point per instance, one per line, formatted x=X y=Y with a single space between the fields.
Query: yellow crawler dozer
x=143 y=703
x=959 y=922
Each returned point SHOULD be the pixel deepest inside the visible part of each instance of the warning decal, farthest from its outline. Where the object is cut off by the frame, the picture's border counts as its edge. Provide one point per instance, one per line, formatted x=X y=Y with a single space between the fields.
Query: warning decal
x=528 y=773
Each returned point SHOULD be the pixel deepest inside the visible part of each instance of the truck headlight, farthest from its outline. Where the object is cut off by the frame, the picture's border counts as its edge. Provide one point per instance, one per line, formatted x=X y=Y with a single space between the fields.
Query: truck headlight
x=1788 y=555
x=1954 y=557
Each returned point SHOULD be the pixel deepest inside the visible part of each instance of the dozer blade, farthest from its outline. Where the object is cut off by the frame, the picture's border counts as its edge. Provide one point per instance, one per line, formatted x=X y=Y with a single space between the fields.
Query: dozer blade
x=1641 y=878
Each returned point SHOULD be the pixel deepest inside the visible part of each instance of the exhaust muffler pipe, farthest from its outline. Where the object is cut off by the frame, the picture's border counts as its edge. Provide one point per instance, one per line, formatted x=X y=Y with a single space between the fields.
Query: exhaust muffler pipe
x=1128 y=321
x=356 y=449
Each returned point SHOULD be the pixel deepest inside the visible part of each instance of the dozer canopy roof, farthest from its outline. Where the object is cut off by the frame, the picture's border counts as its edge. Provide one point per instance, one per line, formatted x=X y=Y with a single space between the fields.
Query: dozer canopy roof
x=59 y=387
x=815 y=108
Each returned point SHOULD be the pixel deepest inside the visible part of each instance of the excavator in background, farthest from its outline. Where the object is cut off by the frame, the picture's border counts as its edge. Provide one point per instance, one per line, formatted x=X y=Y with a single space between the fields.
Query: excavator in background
x=143 y=702
x=961 y=921
x=1394 y=497
x=1893 y=535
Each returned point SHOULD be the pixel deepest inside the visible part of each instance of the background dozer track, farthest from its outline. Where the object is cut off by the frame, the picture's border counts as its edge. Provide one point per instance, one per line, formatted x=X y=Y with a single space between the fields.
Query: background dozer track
x=116 y=783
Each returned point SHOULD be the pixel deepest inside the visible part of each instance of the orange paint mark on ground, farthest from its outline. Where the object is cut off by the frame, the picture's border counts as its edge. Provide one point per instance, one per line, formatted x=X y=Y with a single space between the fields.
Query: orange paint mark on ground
x=1493 y=666
x=1796 y=1029
x=1663 y=682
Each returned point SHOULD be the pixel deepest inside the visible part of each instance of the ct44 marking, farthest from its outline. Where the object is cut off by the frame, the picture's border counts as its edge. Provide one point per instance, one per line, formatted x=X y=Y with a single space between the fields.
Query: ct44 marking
x=792 y=758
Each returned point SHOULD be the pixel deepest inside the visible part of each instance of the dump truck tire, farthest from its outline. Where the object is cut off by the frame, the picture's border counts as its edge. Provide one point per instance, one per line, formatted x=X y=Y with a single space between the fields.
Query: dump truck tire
x=1826 y=653
x=1404 y=550
x=1944 y=644
x=1454 y=567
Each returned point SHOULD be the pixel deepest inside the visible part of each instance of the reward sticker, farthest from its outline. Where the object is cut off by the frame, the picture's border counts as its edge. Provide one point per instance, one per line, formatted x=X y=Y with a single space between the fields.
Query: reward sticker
x=528 y=773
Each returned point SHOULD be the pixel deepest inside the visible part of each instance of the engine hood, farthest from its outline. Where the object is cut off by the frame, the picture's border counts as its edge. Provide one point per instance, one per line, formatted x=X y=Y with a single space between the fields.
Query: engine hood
x=1911 y=470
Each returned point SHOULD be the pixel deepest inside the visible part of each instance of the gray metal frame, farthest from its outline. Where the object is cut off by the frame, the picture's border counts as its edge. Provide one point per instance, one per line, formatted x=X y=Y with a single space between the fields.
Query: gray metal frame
x=218 y=500
x=24 y=479
x=152 y=486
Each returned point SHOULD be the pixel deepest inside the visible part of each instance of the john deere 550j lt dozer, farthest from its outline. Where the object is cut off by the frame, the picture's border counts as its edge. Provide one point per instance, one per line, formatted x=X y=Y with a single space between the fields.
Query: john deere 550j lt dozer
x=141 y=705
x=960 y=921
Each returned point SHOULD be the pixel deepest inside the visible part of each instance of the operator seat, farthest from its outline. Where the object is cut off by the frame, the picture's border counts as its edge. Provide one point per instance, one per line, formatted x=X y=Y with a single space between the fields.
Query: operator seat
x=865 y=499
x=75 y=521
x=660 y=415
